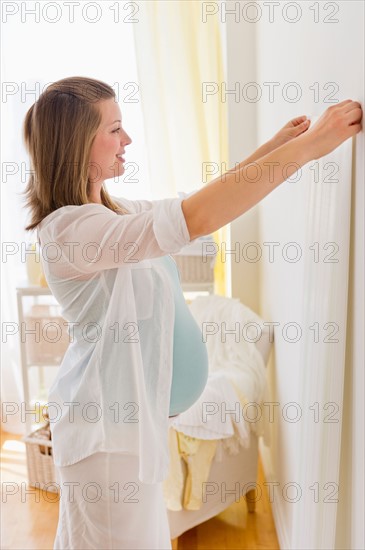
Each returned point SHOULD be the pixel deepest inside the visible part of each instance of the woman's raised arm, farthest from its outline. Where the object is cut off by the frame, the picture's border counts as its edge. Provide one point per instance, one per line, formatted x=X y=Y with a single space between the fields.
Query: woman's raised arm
x=232 y=194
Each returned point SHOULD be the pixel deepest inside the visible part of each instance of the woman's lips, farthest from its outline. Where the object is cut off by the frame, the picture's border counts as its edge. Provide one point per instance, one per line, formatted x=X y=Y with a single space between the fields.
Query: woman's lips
x=120 y=158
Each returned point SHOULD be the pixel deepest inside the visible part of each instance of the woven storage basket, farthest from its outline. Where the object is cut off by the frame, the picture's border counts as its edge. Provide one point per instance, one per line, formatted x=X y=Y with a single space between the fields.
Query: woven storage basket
x=41 y=470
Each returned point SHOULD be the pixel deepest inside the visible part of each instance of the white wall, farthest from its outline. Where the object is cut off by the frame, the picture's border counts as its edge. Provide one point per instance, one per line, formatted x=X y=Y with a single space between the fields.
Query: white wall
x=305 y=52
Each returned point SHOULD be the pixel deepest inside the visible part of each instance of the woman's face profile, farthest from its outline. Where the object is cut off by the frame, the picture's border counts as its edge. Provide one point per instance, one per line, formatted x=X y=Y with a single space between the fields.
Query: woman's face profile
x=108 y=148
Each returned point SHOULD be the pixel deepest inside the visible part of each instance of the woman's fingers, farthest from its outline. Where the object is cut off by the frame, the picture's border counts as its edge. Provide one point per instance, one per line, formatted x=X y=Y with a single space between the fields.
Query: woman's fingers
x=354 y=106
x=355 y=129
x=354 y=116
x=299 y=120
x=344 y=103
x=350 y=105
x=295 y=121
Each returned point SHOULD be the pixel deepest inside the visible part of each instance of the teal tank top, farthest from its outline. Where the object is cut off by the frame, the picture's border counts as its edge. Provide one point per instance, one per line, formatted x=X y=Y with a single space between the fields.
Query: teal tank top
x=190 y=357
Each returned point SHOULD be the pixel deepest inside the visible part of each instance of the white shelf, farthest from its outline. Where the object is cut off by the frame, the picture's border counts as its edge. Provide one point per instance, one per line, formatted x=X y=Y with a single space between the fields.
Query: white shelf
x=29 y=348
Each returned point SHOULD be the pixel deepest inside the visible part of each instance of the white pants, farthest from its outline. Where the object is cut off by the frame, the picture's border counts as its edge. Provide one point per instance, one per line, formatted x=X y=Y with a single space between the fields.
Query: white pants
x=104 y=506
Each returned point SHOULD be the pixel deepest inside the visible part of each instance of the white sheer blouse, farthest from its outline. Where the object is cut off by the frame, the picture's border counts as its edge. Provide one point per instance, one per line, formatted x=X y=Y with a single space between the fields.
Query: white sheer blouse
x=112 y=390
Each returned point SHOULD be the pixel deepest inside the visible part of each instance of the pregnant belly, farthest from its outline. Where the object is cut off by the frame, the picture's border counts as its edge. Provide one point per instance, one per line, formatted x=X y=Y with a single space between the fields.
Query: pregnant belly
x=190 y=362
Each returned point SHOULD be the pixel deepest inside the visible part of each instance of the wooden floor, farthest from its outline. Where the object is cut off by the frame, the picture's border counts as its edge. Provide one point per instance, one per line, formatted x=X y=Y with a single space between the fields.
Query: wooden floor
x=29 y=520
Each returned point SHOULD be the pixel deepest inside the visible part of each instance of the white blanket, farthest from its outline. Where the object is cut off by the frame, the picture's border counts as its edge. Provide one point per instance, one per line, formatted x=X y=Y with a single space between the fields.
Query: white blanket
x=216 y=414
x=237 y=371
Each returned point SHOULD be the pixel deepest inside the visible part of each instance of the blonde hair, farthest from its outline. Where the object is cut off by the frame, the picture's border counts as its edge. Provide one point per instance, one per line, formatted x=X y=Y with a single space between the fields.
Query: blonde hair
x=59 y=129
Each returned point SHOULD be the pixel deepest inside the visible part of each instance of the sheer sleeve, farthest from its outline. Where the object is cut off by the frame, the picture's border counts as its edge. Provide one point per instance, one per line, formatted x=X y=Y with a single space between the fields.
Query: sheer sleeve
x=93 y=238
x=143 y=204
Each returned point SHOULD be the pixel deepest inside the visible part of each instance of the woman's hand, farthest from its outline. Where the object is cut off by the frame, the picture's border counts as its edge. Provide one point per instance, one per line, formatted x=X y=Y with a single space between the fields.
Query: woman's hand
x=337 y=124
x=294 y=128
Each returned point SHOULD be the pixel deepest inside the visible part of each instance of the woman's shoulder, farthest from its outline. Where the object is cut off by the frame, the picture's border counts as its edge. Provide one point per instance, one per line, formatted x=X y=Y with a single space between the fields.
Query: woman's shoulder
x=70 y=211
x=124 y=203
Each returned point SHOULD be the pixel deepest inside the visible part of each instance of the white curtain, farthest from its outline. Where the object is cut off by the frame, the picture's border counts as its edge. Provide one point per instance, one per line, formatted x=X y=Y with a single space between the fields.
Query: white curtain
x=178 y=54
x=180 y=63
x=305 y=291
x=323 y=348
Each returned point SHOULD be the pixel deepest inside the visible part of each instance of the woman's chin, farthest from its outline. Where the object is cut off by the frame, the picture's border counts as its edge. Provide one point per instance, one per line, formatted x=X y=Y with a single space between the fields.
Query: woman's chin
x=119 y=167
x=116 y=171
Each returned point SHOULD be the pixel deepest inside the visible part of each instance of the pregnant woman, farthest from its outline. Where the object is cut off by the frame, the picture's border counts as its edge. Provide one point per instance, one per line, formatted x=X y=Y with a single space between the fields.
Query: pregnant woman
x=136 y=354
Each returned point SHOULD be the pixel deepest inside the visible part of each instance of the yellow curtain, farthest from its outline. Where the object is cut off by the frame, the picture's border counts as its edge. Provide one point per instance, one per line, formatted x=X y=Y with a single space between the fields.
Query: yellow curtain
x=180 y=67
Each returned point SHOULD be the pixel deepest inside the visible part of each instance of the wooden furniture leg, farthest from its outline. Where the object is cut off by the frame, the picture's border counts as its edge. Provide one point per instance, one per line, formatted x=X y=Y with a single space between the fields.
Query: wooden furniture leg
x=251 y=500
x=174 y=543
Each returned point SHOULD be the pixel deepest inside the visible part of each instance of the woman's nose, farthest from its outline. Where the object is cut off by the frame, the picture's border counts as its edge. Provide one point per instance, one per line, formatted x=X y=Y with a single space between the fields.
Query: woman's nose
x=126 y=139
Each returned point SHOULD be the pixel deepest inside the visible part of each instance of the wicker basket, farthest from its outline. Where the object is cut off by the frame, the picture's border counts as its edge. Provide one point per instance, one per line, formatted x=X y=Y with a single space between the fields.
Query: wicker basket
x=41 y=470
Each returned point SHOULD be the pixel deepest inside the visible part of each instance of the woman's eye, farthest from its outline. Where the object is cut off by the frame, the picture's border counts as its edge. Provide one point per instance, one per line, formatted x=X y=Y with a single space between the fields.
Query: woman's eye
x=117 y=130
